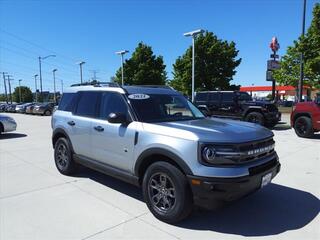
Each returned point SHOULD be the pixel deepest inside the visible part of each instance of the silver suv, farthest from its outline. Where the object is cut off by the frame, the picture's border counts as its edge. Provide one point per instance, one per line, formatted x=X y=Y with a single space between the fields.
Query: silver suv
x=155 y=138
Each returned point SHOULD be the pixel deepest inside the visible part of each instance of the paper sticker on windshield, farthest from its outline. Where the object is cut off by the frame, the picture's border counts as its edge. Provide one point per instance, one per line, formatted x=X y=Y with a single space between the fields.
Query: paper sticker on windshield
x=138 y=96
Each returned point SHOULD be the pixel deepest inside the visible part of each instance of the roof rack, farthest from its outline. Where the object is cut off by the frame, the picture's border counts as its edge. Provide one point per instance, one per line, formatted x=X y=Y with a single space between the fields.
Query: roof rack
x=97 y=84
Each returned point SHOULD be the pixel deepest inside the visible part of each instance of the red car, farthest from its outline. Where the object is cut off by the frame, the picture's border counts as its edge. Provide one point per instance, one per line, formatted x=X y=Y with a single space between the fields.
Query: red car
x=305 y=118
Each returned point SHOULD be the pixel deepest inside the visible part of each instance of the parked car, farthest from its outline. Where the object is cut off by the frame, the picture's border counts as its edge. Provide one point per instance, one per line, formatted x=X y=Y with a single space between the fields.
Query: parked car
x=3 y=107
x=11 y=108
x=237 y=105
x=305 y=118
x=7 y=124
x=29 y=109
x=21 y=108
x=155 y=138
x=44 y=109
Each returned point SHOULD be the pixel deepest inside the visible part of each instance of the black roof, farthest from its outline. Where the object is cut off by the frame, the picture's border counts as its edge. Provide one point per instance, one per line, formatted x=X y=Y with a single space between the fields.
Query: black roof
x=149 y=89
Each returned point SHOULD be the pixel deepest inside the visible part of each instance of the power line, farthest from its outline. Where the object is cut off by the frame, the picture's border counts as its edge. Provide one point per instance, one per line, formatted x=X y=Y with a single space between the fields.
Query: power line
x=43 y=48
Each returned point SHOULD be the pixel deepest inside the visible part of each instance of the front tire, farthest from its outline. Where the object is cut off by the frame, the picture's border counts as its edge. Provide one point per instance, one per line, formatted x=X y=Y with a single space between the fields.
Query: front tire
x=63 y=157
x=255 y=117
x=303 y=127
x=167 y=193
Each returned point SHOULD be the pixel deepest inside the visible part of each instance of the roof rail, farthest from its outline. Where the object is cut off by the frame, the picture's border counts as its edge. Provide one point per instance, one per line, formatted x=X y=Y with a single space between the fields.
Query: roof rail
x=96 y=84
x=151 y=86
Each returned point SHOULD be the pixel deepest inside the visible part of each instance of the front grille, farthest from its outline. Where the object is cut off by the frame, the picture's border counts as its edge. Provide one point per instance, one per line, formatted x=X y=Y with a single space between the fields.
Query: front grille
x=254 y=150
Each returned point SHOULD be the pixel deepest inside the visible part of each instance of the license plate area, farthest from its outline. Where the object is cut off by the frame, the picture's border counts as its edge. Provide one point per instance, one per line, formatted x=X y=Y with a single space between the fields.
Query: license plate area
x=266 y=179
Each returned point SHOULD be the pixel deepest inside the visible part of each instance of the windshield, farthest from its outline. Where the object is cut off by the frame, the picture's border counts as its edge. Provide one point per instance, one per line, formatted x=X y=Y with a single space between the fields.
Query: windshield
x=164 y=108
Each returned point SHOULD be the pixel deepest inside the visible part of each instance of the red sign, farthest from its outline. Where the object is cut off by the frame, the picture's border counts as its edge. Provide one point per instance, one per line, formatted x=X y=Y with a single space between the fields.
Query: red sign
x=274 y=45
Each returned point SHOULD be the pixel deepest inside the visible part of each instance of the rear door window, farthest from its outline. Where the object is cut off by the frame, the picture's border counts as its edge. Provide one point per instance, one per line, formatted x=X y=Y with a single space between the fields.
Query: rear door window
x=214 y=97
x=227 y=97
x=88 y=104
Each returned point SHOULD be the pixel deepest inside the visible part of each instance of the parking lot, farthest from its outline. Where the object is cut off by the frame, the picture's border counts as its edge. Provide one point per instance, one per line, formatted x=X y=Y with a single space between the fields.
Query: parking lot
x=36 y=202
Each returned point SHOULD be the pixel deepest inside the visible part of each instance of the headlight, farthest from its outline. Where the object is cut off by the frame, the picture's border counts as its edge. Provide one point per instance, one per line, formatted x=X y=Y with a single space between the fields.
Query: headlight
x=218 y=155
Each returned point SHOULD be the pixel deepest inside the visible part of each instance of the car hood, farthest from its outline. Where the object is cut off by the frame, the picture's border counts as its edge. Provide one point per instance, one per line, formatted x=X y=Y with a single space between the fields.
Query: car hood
x=220 y=130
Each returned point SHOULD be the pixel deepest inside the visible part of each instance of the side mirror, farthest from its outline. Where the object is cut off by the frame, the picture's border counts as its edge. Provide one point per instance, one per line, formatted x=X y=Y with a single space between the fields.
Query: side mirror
x=117 y=118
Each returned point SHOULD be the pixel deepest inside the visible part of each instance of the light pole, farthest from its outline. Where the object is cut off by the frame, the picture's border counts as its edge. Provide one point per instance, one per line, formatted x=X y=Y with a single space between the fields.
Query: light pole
x=80 y=64
x=300 y=90
x=36 y=93
x=193 y=34
x=61 y=86
x=20 y=89
x=42 y=58
x=121 y=53
x=54 y=84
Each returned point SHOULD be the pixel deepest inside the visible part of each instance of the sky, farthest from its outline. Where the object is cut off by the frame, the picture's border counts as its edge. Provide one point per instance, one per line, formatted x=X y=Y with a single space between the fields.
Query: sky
x=93 y=30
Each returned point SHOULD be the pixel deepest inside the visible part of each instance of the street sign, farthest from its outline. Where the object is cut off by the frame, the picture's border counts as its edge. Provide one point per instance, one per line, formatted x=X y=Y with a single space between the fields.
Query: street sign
x=269 y=75
x=274 y=56
x=273 y=64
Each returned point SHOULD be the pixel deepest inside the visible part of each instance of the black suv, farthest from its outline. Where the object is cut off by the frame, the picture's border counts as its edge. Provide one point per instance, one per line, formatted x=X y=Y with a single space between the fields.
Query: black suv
x=237 y=105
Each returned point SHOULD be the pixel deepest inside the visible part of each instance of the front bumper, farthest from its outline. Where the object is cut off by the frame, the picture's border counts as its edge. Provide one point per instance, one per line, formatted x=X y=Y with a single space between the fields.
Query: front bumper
x=38 y=111
x=211 y=193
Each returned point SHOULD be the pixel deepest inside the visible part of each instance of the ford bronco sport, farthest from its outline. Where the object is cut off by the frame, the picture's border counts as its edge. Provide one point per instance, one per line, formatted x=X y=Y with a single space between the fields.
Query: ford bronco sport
x=305 y=118
x=237 y=105
x=155 y=138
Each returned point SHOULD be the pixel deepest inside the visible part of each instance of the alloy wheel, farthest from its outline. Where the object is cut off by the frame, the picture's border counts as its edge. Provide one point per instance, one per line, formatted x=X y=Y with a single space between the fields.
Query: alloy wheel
x=162 y=192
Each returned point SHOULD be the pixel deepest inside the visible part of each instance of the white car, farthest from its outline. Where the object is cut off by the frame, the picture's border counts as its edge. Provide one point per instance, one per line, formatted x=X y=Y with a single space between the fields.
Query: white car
x=7 y=124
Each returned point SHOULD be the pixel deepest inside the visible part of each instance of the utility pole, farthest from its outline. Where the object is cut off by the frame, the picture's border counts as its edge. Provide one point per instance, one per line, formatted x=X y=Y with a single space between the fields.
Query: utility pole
x=9 y=81
x=5 y=85
x=80 y=64
x=36 y=91
x=94 y=72
x=20 y=89
x=193 y=34
x=121 y=53
x=54 y=84
x=300 y=90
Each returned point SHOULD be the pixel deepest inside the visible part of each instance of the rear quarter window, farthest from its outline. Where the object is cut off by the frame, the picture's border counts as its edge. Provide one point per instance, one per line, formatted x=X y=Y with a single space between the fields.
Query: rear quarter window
x=201 y=96
x=67 y=102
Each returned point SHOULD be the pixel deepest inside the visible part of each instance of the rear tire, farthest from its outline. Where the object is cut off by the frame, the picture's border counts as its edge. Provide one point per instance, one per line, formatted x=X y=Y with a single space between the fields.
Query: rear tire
x=303 y=127
x=63 y=157
x=255 y=117
x=47 y=113
x=167 y=193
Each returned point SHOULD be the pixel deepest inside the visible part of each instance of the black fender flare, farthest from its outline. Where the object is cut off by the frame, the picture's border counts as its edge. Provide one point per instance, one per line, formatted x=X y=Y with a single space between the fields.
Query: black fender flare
x=166 y=153
x=60 y=131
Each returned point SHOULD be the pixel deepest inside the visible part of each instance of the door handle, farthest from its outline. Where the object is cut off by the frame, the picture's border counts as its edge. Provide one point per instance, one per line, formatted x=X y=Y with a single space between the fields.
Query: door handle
x=99 y=128
x=71 y=123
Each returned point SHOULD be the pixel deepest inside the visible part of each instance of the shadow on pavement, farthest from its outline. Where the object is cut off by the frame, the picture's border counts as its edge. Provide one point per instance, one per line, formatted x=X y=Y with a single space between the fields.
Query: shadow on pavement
x=271 y=211
x=118 y=185
x=281 y=127
x=12 y=135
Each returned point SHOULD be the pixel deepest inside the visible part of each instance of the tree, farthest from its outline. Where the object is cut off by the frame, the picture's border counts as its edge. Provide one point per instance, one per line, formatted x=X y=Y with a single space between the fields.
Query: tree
x=26 y=94
x=143 y=68
x=309 y=46
x=215 y=65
